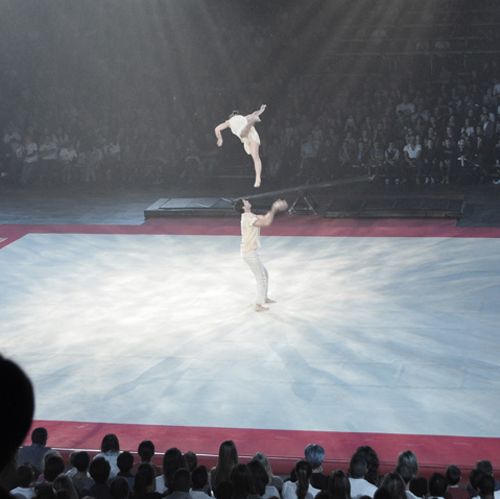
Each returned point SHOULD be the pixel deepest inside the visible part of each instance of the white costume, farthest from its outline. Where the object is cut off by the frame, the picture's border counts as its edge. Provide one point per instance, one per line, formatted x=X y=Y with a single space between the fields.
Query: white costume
x=237 y=123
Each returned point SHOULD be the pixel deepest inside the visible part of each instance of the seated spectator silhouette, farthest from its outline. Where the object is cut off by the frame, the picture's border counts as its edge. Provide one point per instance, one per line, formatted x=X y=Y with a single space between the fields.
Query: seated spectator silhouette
x=53 y=467
x=314 y=454
x=181 y=483
x=110 y=449
x=34 y=453
x=99 y=470
x=244 y=486
x=199 y=483
x=274 y=480
x=224 y=489
x=63 y=485
x=191 y=460
x=261 y=480
x=455 y=490
x=81 y=479
x=406 y=473
x=372 y=461
x=227 y=460
x=119 y=488
x=301 y=487
x=144 y=483
x=173 y=460
x=125 y=463
x=394 y=485
x=437 y=486
x=357 y=471
x=486 y=487
x=339 y=486
x=418 y=486
x=485 y=466
x=17 y=403
x=25 y=482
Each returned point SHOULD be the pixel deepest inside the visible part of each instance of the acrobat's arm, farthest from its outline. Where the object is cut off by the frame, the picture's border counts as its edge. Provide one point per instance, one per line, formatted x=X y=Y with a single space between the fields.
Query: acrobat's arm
x=218 y=130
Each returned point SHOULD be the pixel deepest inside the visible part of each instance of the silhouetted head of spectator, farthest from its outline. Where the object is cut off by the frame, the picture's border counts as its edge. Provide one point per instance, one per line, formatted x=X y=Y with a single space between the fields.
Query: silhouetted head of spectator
x=437 y=485
x=474 y=477
x=243 y=481
x=418 y=486
x=408 y=457
x=357 y=466
x=81 y=461
x=382 y=494
x=125 y=461
x=395 y=485
x=486 y=486
x=110 y=443
x=224 y=490
x=485 y=466
x=144 y=480
x=199 y=477
x=146 y=451
x=267 y=465
x=45 y=491
x=18 y=404
x=39 y=436
x=405 y=471
x=191 y=460
x=259 y=474
x=25 y=475
x=372 y=462
x=453 y=474
x=173 y=459
x=314 y=454
x=119 y=488
x=54 y=466
x=339 y=486
x=99 y=470
x=182 y=480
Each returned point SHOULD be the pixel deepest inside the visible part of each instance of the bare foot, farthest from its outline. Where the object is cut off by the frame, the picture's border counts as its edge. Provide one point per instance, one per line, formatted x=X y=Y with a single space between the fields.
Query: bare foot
x=260 y=308
x=257 y=182
x=268 y=300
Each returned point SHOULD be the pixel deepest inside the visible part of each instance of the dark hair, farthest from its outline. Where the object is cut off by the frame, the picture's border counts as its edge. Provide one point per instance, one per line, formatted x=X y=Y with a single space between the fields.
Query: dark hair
x=453 y=474
x=54 y=465
x=357 y=466
x=119 y=488
x=224 y=489
x=303 y=471
x=238 y=206
x=199 y=477
x=81 y=460
x=182 y=480
x=437 y=485
x=486 y=485
x=25 y=475
x=125 y=461
x=172 y=461
x=191 y=460
x=110 y=443
x=146 y=450
x=339 y=486
x=260 y=477
x=99 y=470
x=372 y=462
x=395 y=485
x=315 y=454
x=234 y=113
x=485 y=466
x=18 y=403
x=405 y=471
x=144 y=479
x=227 y=460
x=418 y=486
x=39 y=436
x=242 y=479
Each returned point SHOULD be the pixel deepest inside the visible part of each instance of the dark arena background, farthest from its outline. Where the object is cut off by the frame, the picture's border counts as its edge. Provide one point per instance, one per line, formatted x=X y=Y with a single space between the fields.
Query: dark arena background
x=123 y=293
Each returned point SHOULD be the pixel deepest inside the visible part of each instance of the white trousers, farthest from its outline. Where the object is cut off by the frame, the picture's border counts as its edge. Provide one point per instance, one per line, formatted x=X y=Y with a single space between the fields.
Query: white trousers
x=253 y=260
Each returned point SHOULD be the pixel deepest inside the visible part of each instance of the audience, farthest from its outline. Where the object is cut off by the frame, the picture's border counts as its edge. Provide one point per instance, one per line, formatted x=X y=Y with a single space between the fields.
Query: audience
x=34 y=453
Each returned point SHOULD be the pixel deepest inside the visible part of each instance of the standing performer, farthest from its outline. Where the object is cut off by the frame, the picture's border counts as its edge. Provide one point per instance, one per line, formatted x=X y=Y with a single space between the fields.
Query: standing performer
x=243 y=127
x=250 y=243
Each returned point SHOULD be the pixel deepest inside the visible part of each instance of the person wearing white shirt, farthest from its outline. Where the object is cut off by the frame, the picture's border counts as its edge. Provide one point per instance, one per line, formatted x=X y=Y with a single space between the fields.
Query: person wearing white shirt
x=360 y=486
x=300 y=489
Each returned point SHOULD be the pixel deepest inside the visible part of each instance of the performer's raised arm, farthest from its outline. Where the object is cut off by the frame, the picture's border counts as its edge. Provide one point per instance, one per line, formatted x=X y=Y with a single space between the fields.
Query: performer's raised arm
x=218 y=130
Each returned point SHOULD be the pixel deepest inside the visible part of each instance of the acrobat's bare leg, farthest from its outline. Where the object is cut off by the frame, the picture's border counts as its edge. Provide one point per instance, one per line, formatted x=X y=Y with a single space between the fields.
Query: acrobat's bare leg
x=257 y=163
x=251 y=120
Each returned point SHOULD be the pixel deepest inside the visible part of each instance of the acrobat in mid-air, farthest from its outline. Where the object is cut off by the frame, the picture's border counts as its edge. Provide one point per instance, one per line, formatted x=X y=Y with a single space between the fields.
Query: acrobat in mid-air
x=243 y=127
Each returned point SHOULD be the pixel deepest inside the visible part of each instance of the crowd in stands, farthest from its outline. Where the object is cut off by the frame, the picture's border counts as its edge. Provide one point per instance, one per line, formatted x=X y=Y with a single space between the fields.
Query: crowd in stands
x=117 y=474
x=85 y=118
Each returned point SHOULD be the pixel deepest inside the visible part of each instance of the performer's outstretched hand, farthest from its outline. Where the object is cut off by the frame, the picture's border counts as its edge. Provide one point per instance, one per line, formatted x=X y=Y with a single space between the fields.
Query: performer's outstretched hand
x=280 y=205
x=219 y=142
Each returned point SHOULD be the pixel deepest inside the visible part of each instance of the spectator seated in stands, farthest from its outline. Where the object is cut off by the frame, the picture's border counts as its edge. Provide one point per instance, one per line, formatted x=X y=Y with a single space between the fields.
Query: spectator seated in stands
x=394 y=485
x=110 y=450
x=35 y=453
x=339 y=486
x=437 y=486
x=18 y=403
x=405 y=470
x=119 y=488
x=357 y=471
x=125 y=463
x=173 y=460
x=261 y=480
x=144 y=483
x=273 y=480
x=372 y=461
x=455 y=490
x=81 y=478
x=181 y=484
x=25 y=482
x=63 y=485
x=227 y=460
x=99 y=470
x=53 y=466
x=299 y=487
x=199 y=485
x=486 y=488
x=314 y=454
x=244 y=486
